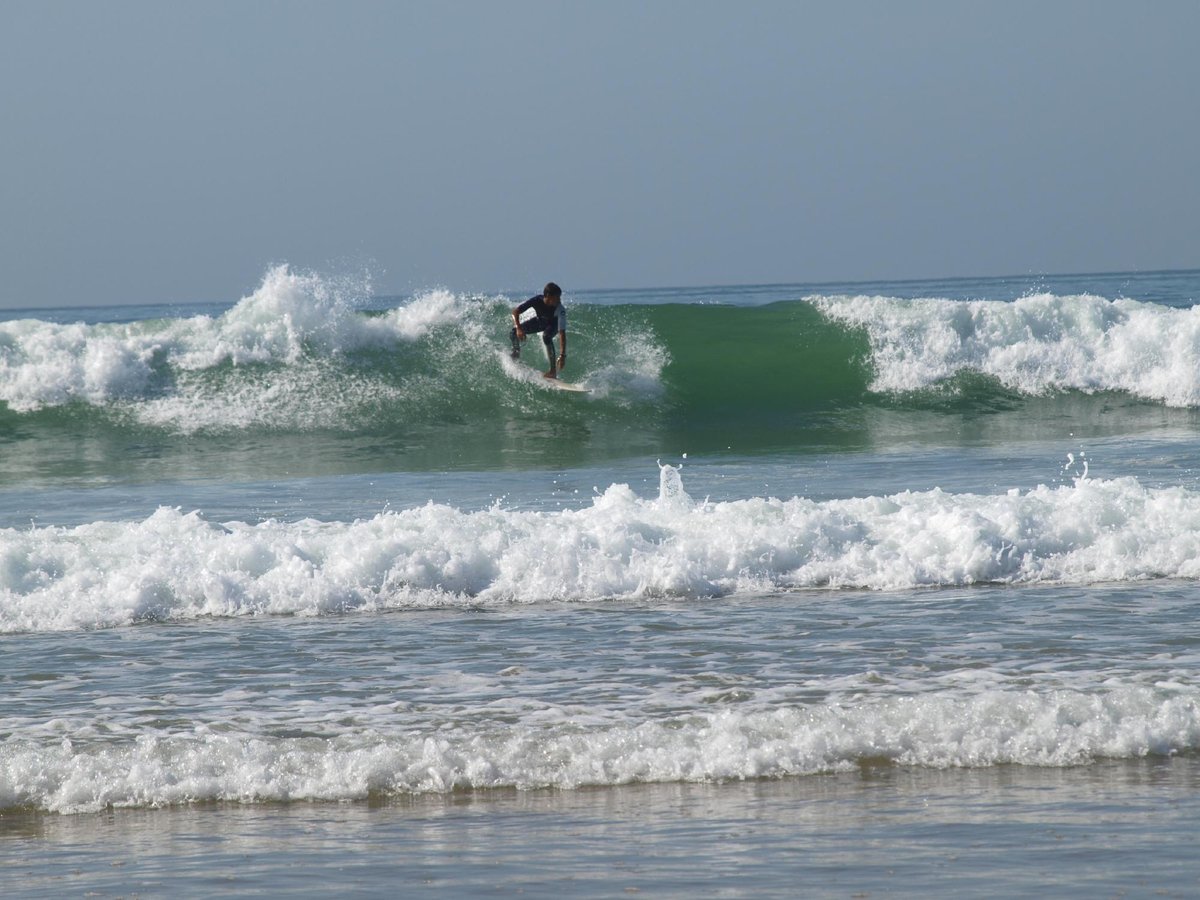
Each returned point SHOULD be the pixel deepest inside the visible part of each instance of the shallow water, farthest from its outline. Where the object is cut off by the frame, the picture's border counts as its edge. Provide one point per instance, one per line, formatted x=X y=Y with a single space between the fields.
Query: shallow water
x=877 y=831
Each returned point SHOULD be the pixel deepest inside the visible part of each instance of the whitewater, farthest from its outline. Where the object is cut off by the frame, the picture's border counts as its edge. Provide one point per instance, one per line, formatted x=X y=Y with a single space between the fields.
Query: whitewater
x=177 y=565
x=836 y=576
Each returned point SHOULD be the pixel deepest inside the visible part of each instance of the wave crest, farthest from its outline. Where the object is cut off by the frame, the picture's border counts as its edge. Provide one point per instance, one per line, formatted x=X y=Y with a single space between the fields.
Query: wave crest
x=1034 y=345
x=177 y=566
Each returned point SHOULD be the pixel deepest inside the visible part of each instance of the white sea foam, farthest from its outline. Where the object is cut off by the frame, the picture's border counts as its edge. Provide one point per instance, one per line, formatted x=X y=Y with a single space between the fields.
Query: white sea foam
x=1056 y=728
x=42 y=364
x=295 y=319
x=176 y=565
x=1034 y=345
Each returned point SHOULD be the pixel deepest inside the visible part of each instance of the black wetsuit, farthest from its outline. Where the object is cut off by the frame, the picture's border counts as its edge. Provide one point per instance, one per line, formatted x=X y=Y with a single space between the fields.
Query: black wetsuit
x=550 y=321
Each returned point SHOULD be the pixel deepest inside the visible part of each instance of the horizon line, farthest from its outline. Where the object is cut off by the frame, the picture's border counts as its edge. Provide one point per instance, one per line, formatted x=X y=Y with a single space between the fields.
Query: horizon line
x=669 y=287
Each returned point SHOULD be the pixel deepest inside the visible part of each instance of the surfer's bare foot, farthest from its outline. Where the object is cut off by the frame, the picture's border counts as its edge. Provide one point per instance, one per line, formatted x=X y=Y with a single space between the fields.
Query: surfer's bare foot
x=550 y=374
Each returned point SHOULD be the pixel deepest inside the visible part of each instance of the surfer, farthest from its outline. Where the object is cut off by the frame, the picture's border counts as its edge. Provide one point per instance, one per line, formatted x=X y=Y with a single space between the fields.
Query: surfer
x=550 y=319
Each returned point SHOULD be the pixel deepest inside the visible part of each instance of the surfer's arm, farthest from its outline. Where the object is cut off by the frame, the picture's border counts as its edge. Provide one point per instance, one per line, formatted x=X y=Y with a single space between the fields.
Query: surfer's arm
x=562 y=335
x=516 y=317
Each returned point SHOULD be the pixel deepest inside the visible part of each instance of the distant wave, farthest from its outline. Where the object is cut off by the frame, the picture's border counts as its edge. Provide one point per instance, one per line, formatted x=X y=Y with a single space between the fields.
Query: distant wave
x=178 y=566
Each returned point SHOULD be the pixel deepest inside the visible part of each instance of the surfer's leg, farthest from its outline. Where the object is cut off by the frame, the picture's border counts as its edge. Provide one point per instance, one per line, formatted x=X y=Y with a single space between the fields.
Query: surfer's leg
x=530 y=327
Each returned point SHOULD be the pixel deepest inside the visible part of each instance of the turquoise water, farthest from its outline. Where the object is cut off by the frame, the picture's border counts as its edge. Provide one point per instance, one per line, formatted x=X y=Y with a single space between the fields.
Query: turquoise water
x=878 y=588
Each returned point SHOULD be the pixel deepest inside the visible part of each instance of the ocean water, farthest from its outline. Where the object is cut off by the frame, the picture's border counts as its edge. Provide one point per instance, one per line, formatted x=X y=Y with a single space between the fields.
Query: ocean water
x=834 y=590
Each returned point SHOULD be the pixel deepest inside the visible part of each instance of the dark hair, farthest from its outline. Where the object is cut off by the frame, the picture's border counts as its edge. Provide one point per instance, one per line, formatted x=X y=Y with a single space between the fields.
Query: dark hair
x=551 y=290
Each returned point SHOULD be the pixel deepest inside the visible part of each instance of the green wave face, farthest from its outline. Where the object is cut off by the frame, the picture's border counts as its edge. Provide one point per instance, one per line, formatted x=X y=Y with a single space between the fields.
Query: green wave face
x=771 y=361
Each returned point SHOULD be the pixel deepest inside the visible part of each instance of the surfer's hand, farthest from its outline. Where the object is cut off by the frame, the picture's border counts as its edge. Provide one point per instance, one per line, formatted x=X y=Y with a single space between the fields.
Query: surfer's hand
x=520 y=333
x=562 y=361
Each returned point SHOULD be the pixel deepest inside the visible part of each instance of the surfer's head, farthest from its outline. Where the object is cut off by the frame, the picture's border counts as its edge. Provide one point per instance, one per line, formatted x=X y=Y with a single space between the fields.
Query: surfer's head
x=552 y=292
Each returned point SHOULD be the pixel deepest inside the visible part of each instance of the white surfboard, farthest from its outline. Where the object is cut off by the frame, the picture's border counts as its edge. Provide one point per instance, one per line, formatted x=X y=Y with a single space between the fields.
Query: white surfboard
x=566 y=385
x=521 y=372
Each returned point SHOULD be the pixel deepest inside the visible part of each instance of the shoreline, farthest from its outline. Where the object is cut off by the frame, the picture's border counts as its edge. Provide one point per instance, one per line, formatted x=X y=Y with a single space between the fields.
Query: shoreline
x=1125 y=825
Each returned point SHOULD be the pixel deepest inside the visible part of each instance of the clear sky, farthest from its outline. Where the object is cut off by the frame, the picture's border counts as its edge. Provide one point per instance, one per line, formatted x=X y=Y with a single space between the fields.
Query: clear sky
x=172 y=151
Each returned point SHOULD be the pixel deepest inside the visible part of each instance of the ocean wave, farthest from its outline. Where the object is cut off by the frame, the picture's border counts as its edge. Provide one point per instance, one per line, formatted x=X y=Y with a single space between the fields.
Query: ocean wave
x=178 y=566
x=1034 y=345
x=299 y=354
x=940 y=730
x=291 y=318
